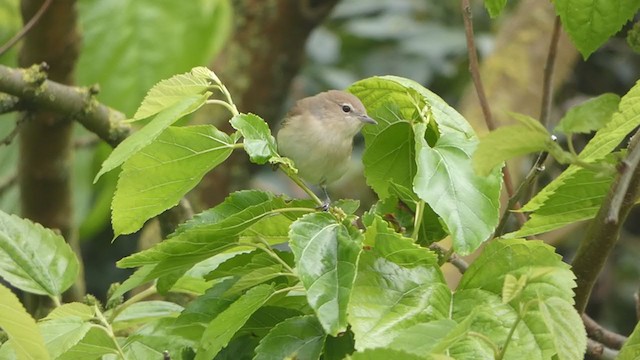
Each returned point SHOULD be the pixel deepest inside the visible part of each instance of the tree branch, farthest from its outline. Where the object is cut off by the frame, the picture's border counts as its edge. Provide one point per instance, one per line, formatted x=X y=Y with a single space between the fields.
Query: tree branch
x=598 y=351
x=25 y=29
x=486 y=110
x=30 y=86
x=603 y=232
x=602 y=335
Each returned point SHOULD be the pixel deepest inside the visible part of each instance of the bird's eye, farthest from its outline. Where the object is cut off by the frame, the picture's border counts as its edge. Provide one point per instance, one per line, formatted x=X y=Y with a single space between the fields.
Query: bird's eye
x=346 y=108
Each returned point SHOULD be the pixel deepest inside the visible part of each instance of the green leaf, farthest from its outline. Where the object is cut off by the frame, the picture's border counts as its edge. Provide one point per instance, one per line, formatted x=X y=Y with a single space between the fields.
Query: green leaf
x=431 y=338
x=192 y=322
x=467 y=203
x=561 y=319
x=590 y=115
x=145 y=311
x=295 y=338
x=203 y=240
x=34 y=258
x=481 y=289
x=174 y=90
x=507 y=142
x=385 y=354
x=399 y=284
x=62 y=334
x=631 y=348
x=258 y=141
x=147 y=134
x=603 y=143
x=72 y=310
x=438 y=169
x=326 y=254
x=96 y=343
x=24 y=336
x=220 y=331
x=127 y=59
x=265 y=318
x=577 y=198
x=156 y=178
x=495 y=7
x=339 y=347
x=512 y=287
x=590 y=23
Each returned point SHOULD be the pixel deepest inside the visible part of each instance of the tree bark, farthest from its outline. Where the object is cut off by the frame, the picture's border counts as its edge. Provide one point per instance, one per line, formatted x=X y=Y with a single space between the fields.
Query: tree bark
x=46 y=147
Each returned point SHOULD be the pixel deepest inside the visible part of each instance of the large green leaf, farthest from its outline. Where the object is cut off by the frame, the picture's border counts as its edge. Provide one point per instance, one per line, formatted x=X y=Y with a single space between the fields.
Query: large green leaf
x=326 y=253
x=24 y=336
x=439 y=168
x=590 y=23
x=295 y=338
x=468 y=203
x=62 y=334
x=147 y=134
x=144 y=312
x=127 y=54
x=200 y=240
x=258 y=141
x=590 y=115
x=35 y=259
x=535 y=336
x=157 y=177
x=220 y=331
x=399 y=284
x=96 y=343
x=577 y=198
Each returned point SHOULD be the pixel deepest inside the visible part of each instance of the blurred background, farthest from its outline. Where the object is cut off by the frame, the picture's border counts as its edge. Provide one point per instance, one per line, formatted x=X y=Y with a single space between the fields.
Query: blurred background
x=270 y=53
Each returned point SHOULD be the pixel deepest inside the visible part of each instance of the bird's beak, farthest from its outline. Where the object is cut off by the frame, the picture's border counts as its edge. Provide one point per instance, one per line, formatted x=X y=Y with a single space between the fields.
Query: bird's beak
x=366 y=119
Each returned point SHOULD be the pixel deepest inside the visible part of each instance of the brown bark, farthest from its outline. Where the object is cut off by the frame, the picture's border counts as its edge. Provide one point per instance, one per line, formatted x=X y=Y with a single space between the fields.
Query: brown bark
x=46 y=149
x=264 y=53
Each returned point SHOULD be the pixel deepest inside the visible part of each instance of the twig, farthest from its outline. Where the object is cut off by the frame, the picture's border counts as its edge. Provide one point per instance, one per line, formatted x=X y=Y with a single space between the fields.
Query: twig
x=450 y=257
x=9 y=138
x=25 y=29
x=549 y=67
x=9 y=104
x=599 y=351
x=86 y=142
x=484 y=105
x=602 y=335
x=626 y=169
x=603 y=234
x=8 y=182
x=537 y=168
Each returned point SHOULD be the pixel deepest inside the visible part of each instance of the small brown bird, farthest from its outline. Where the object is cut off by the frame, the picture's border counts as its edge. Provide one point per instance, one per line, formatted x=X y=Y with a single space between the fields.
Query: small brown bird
x=317 y=134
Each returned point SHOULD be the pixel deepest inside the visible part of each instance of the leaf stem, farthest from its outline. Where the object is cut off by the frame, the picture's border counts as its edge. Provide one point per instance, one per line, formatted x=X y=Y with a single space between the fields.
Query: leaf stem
x=296 y=179
x=269 y=252
x=132 y=300
x=487 y=340
x=417 y=221
x=103 y=321
x=232 y=109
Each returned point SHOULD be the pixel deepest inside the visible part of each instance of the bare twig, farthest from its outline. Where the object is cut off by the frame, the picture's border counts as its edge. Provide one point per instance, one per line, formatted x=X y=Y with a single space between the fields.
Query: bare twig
x=450 y=257
x=537 y=168
x=25 y=29
x=86 y=142
x=474 y=69
x=8 y=182
x=547 y=84
x=602 y=335
x=9 y=138
x=598 y=351
x=626 y=169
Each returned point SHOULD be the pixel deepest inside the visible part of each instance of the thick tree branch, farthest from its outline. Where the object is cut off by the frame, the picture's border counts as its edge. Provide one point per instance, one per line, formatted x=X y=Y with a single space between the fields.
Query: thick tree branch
x=604 y=231
x=29 y=87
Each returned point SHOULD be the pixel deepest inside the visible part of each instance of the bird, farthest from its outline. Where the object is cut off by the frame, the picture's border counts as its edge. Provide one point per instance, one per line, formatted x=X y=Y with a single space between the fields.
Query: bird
x=317 y=134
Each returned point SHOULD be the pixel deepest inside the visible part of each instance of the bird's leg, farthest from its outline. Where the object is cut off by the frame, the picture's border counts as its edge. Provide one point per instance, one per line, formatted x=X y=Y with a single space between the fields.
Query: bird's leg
x=327 y=201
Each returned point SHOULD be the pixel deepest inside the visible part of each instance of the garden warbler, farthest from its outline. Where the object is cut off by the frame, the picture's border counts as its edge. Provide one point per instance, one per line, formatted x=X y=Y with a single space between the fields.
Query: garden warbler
x=317 y=134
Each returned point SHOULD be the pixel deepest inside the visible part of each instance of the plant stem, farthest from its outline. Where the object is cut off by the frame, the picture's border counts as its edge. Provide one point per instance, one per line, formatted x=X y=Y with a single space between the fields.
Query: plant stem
x=417 y=221
x=107 y=325
x=487 y=340
x=232 y=109
x=296 y=179
x=132 y=300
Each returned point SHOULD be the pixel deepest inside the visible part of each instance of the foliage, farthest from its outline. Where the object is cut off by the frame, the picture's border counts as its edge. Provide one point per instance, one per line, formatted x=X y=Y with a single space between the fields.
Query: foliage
x=271 y=277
